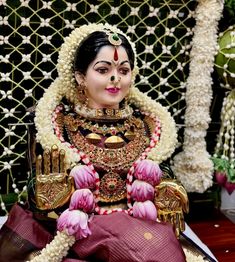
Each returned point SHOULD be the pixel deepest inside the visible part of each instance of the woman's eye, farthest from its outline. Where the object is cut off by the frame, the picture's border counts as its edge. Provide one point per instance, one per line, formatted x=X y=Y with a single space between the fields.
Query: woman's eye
x=102 y=70
x=124 y=71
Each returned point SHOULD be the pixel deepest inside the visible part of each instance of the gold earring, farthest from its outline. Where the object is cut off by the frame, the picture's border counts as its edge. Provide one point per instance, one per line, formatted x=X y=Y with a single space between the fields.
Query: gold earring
x=82 y=97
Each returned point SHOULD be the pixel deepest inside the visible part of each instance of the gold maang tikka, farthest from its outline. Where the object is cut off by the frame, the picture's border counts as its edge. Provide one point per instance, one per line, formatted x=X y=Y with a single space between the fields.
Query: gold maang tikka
x=114 y=40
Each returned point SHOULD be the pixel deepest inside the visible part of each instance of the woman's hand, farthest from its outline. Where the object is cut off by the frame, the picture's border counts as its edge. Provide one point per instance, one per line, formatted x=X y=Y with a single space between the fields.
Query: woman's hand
x=53 y=186
x=171 y=201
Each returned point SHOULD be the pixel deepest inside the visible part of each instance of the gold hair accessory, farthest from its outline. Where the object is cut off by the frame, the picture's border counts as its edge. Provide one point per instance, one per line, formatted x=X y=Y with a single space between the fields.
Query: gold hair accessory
x=114 y=39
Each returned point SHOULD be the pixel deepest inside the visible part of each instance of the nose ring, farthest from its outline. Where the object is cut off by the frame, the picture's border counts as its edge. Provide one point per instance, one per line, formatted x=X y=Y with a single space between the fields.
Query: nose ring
x=112 y=79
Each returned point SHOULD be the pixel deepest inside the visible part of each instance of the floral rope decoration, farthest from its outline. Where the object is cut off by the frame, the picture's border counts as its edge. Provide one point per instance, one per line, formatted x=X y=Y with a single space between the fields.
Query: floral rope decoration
x=193 y=165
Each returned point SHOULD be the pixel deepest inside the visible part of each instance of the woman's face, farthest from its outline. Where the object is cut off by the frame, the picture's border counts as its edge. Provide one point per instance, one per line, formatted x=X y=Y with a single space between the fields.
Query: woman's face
x=108 y=81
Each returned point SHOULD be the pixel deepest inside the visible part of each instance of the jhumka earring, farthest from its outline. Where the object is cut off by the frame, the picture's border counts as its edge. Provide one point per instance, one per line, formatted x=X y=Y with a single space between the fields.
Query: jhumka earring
x=82 y=97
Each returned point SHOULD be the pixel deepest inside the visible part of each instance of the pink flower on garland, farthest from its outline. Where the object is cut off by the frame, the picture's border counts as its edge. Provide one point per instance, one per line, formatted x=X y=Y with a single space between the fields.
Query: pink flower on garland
x=146 y=210
x=83 y=177
x=142 y=191
x=149 y=171
x=74 y=222
x=82 y=199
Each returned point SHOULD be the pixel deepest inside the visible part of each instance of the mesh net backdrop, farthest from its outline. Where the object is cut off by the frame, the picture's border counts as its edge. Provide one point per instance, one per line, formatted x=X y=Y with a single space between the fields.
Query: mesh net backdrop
x=31 y=35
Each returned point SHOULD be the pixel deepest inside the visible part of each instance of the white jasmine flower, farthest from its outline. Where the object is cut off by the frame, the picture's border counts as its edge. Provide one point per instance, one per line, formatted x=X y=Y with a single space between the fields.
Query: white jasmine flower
x=94 y=8
x=24 y=2
x=3 y=2
x=46 y=39
x=69 y=24
x=25 y=21
x=28 y=93
x=45 y=22
x=5 y=77
x=26 y=57
x=71 y=6
x=4 y=20
x=145 y=65
x=153 y=11
x=26 y=39
x=149 y=49
x=173 y=13
x=4 y=39
x=46 y=5
x=114 y=10
x=27 y=75
x=150 y=30
x=131 y=29
x=134 y=11
x=46 y=58
x=46 y=75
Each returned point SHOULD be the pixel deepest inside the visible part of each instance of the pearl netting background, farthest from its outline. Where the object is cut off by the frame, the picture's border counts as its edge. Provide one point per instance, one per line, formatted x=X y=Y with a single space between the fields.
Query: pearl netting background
x=31 y=34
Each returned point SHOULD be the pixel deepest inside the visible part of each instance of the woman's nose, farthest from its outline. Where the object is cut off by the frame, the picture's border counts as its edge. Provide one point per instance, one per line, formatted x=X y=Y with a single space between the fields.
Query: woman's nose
x=115 y=78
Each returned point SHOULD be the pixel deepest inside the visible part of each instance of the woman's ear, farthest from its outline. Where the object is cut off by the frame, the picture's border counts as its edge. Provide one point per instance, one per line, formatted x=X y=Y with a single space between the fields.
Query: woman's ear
x=80 y=78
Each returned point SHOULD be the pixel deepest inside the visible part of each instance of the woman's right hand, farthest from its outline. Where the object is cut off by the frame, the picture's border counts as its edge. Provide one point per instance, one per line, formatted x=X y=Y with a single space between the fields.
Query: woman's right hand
x=53 y=185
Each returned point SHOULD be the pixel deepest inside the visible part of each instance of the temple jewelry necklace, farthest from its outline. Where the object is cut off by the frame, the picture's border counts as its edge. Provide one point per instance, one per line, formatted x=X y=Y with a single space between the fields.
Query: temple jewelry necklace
x=85 y=159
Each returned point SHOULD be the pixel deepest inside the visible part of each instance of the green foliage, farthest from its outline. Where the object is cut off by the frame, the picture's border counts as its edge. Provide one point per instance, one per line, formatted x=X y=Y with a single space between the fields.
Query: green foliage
x=223 y=165
x=229 y=6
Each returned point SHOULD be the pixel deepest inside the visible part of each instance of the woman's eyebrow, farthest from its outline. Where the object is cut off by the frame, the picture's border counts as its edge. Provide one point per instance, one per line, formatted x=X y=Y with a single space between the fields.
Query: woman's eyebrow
x=123 y=62
x=103 y=61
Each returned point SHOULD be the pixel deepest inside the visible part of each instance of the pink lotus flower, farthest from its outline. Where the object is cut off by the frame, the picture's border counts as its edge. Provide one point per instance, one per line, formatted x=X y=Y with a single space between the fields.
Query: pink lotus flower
x=74 y=222
x=142 y=191
x=82 y=199
x=146 y=210
x=229 y=186
x=220 y=177
x=148 y=171
x=83 y=177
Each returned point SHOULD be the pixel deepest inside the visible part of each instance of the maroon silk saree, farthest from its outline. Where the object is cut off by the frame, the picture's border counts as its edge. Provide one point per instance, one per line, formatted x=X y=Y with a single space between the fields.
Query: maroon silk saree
x=115 y=238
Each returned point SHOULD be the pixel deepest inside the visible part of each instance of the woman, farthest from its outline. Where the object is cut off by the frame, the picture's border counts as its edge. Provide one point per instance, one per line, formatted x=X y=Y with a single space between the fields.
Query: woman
x=111 y=138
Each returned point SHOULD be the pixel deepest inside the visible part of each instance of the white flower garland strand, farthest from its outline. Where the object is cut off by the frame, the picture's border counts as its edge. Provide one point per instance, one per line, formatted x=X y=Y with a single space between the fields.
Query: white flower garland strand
x=193 y=166
x=57 y=249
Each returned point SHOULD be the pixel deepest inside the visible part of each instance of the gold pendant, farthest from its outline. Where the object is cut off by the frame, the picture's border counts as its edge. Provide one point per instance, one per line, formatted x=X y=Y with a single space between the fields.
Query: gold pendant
x=114 y=142
x=129 y=135
x=93 y=138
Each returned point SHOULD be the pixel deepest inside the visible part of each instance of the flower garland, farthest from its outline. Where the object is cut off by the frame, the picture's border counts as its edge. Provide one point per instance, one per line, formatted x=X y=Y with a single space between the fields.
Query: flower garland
x=57 y=249
x=193 y=166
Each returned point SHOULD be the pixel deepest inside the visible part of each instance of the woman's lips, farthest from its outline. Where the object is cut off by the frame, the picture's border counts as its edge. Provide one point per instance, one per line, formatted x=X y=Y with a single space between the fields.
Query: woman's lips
x=113 y=90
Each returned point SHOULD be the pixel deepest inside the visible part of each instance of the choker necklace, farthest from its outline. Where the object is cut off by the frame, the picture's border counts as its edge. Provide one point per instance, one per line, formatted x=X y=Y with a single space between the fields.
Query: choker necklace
x=107 y=114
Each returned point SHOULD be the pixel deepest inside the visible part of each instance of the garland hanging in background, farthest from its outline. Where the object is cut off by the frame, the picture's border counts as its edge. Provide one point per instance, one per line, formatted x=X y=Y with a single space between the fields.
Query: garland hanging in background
x=193 y=165
x=224 y=156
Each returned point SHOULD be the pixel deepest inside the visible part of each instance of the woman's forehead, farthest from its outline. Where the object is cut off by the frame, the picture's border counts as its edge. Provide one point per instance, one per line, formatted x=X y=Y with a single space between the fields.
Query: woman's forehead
x=107 y=53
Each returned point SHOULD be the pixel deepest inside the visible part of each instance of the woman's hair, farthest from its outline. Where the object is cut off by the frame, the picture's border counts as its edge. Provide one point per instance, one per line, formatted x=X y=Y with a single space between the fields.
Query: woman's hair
x=90 y=46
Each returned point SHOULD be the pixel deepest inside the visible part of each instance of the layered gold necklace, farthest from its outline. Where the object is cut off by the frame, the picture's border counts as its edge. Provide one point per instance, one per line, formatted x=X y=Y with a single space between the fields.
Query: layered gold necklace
x=111 y=147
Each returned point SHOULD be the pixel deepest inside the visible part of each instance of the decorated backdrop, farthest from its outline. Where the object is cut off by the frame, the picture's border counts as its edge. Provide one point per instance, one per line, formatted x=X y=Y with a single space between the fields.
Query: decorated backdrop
x=165 y=32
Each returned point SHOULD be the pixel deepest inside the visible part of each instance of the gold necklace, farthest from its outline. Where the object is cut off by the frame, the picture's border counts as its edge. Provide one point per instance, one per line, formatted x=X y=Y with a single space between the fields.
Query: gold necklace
x=107 y=114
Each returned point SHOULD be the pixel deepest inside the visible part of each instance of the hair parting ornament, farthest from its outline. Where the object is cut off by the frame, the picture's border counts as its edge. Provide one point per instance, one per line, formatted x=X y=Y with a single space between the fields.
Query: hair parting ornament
x=114 y=40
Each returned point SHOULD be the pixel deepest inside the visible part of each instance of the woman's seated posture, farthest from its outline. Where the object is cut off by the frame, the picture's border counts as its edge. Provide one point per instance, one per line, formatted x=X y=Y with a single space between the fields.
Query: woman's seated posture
x=98 y=192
